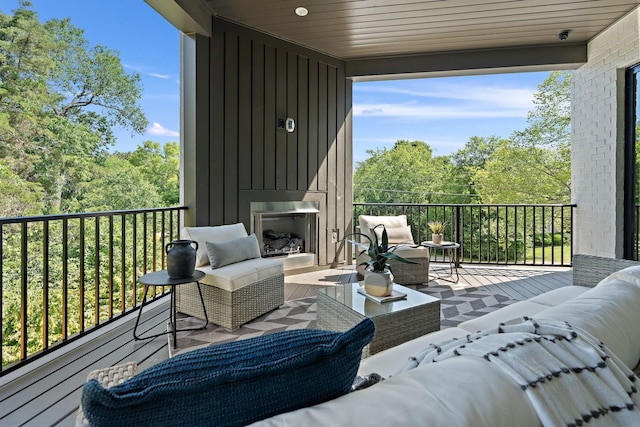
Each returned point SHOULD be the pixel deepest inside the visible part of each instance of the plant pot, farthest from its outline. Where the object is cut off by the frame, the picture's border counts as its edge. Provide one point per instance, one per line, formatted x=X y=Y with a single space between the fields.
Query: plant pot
x=378 y=284
x=437 y=238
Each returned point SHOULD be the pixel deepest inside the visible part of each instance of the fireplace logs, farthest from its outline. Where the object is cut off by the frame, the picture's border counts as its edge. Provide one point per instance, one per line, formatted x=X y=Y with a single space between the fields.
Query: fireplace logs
x=277 y=243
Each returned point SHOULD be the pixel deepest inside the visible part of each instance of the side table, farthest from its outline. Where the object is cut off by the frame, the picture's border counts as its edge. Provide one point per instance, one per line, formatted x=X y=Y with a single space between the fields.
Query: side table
x=161 y=278
x=452 y=253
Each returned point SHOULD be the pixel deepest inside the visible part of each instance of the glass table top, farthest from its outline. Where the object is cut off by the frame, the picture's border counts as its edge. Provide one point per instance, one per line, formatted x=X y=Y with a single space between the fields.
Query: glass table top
x=349 y=296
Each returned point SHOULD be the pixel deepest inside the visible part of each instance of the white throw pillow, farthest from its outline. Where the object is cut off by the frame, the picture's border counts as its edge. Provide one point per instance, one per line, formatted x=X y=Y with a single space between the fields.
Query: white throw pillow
x=369 y=221
x=220 y=233
x=396 y=234
x=611 y=313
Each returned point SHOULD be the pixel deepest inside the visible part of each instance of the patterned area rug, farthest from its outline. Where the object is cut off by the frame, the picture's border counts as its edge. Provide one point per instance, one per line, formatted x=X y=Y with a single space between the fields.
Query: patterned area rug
x=457 y=305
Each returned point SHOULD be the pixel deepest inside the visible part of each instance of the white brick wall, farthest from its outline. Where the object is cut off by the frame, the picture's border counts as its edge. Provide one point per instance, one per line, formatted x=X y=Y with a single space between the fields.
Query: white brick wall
x=597 y=154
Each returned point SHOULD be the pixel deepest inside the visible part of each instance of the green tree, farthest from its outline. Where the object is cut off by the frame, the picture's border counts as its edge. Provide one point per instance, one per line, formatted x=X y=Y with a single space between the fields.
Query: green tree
x=19 y=197
x=161 y=167
x=407 y=173
x=534 y=165
x=59 y=101
x=470 y=159
x=109 y=191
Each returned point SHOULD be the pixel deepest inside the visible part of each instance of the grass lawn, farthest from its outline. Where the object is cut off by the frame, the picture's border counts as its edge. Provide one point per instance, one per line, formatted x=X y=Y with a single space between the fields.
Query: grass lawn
x=547 y=256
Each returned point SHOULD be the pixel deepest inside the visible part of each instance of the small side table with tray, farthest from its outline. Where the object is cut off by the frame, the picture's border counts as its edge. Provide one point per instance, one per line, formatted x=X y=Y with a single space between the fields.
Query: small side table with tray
x=161 y=278
x=342 y=307
x=452 y=253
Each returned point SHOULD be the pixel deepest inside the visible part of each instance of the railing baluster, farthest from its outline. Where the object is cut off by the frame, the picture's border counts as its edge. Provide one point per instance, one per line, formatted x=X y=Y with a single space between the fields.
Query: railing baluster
x=111 y=266
x=2 y=305
x=45 y=285
x=65 y=279
x=24 y=309
x=96 y=271
x=81 y=279
x=134 y=250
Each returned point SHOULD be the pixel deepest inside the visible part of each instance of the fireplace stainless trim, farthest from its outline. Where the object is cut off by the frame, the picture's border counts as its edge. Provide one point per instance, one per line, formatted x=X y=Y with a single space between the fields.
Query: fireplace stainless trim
x=271 y=210
x=284 y=207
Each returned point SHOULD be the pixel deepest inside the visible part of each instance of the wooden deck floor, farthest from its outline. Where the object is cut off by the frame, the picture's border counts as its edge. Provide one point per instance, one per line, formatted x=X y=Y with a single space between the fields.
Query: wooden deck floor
x=47 y=391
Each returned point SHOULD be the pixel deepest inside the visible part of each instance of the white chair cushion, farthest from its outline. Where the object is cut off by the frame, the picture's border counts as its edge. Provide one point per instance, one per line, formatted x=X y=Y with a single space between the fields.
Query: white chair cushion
x=406 y=251
x=236 y=276
x=202 y=235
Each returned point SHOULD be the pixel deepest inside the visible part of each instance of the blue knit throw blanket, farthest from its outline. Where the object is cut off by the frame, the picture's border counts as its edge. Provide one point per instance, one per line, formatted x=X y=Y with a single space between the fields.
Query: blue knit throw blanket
x=571 y=378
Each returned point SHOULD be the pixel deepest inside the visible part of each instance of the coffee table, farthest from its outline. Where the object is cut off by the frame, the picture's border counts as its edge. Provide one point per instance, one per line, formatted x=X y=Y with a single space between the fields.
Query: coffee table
x=342 y=307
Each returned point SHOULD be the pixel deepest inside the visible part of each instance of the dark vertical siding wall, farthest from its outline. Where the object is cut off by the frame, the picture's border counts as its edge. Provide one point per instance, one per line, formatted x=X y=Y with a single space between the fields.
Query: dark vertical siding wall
x=250 y=80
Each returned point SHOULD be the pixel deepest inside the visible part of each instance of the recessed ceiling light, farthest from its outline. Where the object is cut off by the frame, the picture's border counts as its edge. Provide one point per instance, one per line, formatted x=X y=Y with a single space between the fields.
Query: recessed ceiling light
x=302 y=11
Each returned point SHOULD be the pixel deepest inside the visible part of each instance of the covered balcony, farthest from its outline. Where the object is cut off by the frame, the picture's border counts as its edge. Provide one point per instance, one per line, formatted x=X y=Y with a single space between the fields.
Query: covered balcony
x=247 y=65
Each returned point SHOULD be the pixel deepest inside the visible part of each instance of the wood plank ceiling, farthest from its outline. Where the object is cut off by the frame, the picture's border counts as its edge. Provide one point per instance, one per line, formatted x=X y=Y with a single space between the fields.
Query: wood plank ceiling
x=358 y=29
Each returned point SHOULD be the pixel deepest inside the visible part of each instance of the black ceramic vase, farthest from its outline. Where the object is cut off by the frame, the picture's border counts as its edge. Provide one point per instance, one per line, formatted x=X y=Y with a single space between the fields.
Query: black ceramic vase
x=181 y=258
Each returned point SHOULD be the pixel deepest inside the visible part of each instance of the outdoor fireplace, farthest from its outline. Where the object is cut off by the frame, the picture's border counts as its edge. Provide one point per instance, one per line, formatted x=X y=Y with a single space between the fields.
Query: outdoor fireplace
x=287 y=230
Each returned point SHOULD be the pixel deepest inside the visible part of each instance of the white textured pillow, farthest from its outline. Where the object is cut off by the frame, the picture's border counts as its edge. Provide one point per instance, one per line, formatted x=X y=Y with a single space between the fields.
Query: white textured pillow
x=611 y=313
x=219 y=233
x=370 y=221
x=232 y=251
x=396 y=234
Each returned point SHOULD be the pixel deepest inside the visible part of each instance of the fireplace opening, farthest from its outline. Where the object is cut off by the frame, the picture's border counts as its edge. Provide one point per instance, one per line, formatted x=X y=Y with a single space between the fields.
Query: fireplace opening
x=287 y=230
x=281 y=243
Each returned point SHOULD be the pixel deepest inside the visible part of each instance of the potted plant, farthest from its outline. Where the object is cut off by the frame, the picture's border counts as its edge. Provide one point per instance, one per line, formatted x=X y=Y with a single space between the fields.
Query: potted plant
x=378 y=278
x=437 y=231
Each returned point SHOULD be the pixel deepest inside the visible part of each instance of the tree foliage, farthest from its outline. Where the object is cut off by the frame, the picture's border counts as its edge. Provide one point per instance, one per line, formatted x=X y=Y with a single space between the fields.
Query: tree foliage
x=534 y=165
x=60 y=100
x=531 y=166
x=408 y=172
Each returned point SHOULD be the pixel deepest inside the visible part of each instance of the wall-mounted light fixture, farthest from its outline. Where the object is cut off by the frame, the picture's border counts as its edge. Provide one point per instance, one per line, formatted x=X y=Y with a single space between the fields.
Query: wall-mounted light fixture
x=288 y=124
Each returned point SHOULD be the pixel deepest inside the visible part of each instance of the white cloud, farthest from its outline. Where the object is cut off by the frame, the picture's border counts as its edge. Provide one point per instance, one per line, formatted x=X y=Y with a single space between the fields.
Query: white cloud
x=475 y=111
x=159 y=130
x=446 y=100
x=161 y=76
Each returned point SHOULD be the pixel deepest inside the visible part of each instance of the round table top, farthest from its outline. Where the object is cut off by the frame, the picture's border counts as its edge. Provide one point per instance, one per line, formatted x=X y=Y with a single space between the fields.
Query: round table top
x=443 y=245
x=161 y=278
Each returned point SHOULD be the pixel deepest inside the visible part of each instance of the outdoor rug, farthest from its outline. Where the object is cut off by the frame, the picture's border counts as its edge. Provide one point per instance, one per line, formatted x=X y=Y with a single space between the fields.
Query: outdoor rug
x=457 y=305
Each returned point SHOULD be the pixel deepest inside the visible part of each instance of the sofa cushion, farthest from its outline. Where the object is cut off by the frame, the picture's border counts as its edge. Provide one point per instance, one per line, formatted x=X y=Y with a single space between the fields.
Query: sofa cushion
x=610 y=312
x=391 y=360
x=558 y=296
x=234 y=384
x=220 y=233
x=456 y=392
x=396 y=235
x=493 y=319
x=232 y=251
x=236 y=276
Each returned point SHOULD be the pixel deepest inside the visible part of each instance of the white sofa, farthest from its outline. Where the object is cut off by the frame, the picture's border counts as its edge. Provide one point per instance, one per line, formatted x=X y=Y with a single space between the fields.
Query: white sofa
x=399 y=234
x=236 y=293
x=465 y=391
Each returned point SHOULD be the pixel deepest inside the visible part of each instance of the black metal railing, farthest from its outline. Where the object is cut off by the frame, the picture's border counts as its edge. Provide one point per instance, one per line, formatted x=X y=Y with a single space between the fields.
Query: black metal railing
x=64 y=275
x=493 y=234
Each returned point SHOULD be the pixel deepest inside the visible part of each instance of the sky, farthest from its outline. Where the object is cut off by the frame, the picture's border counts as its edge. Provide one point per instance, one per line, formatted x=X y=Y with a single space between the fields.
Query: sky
x=443 y=112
